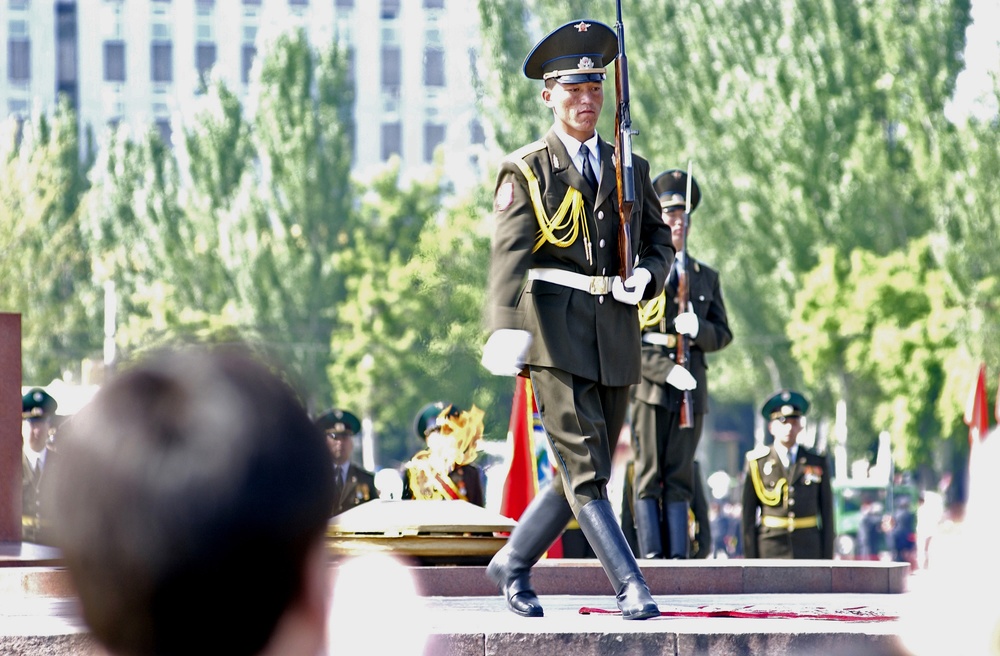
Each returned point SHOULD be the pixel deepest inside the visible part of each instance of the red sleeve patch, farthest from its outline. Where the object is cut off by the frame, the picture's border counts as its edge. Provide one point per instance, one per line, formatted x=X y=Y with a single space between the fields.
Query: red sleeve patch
x=504 y=197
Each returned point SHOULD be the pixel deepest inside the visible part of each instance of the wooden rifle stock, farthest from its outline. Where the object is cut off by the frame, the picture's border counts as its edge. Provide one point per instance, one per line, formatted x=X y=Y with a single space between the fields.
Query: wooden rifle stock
x=684 y=305
x=624 y=176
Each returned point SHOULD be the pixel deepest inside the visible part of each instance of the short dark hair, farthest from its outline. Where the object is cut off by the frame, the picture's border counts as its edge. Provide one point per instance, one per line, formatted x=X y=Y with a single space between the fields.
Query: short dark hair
x=189 y=494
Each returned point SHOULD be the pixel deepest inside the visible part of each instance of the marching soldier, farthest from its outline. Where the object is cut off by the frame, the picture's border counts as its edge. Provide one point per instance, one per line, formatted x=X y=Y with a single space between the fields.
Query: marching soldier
x=37 y=410
x=562 y=316
x=352 y=485
x=787 y=495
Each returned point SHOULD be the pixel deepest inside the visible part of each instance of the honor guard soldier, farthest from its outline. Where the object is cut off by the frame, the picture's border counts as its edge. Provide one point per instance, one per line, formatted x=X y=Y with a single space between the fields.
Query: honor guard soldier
x=352 y=485
x=37 y=411
x=664 y=481
x=445 y=469
x=787 y=493
x=562 y=316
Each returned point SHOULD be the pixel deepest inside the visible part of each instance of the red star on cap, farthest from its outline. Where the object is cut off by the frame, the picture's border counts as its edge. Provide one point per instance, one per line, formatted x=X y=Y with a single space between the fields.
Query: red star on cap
x=582 y=27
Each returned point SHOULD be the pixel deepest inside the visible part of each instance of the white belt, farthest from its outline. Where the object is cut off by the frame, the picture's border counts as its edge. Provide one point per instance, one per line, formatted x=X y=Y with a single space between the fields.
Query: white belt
x=596 y=285
x=660 y=339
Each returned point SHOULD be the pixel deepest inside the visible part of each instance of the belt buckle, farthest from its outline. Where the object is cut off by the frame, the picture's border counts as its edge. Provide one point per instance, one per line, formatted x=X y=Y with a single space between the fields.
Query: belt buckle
x=598 y=285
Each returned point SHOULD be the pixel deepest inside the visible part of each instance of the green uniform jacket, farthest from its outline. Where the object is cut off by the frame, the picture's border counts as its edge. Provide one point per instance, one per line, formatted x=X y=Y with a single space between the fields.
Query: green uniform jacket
x=359 y=488
x=594 y=337
x=713 y=334
x=809 y=494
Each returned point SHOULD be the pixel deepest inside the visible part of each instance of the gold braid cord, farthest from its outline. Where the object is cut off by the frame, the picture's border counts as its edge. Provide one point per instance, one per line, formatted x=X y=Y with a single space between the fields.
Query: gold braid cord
x=457 y=445
x=570 y=219
x=768 y=498
x=652 y=312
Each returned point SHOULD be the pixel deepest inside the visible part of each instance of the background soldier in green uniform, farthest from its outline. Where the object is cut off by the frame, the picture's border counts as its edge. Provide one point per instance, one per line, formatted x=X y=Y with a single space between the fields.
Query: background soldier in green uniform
x=37 y=457
x=664 y=452
x=562 y=316
x=787 y=495
x=353 y=485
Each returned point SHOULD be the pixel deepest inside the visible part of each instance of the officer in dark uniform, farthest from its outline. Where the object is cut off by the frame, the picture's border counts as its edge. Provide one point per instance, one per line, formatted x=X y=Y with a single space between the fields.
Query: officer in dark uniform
x=787 y=496
x=38 y=408
x=561 y=314
x=466 y=479
x=664 y=482
x=352 y=485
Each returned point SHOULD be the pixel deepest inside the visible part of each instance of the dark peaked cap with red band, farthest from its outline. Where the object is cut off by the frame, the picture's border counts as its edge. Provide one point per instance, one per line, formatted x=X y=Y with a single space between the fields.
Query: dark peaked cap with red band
x=576 y=52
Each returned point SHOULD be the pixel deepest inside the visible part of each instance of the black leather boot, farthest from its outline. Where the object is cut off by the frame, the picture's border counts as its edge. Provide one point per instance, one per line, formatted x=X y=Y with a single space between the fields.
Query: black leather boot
x=647 y=524
x=597 y=519
x=542 y=522
x=677 y=529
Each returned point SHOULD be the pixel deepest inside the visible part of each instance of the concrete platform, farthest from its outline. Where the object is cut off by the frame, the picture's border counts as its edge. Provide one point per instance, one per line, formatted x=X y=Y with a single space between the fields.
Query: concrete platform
x=455 y=611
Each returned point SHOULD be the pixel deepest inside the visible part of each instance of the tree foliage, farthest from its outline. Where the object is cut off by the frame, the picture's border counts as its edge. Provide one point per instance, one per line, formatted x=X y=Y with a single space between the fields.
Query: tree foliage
x=46 y=274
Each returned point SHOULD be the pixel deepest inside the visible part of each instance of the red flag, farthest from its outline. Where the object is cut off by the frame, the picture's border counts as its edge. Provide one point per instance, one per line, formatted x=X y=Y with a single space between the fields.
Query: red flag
x=522 y=476
x=521 y=485
x=975 y=409
x=996 y=409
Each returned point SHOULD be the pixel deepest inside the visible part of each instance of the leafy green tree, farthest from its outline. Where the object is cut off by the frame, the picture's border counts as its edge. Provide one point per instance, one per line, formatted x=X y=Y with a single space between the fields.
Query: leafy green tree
x=879 y=331
x=46 y=273
x=411 y=330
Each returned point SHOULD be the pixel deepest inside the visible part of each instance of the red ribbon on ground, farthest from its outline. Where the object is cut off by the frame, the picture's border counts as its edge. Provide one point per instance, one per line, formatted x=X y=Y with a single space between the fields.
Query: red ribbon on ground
x=855 y=614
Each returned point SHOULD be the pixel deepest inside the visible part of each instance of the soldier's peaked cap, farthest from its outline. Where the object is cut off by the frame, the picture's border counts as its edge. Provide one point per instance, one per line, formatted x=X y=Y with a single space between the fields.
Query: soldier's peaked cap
x=785 y=403
x=576 y=52
x=37 y=403
x=338 y=422
x=671 y=187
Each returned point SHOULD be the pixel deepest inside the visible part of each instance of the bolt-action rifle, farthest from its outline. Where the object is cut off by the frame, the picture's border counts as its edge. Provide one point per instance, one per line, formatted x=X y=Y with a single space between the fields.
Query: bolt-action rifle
x=624 y=175
x=684 y=303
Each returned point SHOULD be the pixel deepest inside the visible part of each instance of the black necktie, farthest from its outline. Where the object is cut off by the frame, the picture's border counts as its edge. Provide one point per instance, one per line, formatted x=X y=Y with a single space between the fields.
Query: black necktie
x=588 y=171
x=338 y=483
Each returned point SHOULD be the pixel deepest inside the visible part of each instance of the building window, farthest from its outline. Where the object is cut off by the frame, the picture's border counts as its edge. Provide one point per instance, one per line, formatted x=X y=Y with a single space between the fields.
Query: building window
x=19 y=60
x=300 y=3
x=249 y=52
x=433 y=67
x=345 y=4
x=162 y=61
x=392 y=63
x=390 y=9
x=204 y=55
x=163 y=127
x=114 y=61
x=392 y=140
x=433 y=4
x=252 y=2
x=477 y=134
x=433 y=137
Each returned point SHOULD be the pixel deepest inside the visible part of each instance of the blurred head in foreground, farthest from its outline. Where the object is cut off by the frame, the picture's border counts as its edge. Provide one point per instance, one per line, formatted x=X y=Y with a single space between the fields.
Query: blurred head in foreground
x=191 y=505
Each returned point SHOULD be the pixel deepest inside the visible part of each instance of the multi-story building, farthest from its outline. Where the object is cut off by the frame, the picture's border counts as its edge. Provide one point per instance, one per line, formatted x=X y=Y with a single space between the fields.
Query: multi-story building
x=140 y=62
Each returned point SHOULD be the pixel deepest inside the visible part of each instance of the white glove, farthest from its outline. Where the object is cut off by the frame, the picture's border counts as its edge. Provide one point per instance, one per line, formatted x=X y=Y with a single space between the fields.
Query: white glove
x=505 y=351
x=686 y=323
x=681 y=378
x=638 y=281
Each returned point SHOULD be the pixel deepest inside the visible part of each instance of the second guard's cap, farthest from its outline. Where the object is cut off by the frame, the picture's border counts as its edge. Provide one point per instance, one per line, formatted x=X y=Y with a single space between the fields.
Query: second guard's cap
x=38 y=403
x=576 y=52
x=430 y=417
x=671 y=187
x=785 y=403
x=338 y=422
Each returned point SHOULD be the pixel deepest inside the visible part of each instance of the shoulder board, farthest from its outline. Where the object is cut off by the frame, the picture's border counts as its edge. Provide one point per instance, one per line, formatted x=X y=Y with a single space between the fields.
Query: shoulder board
x=524 y=151
x=758 y=452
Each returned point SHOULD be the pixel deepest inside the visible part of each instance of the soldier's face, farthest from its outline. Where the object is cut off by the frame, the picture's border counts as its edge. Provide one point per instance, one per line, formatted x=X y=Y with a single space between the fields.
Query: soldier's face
x=576 y=107
x=674 y=217
x=786 y=429
x=341 y=445
x=35 y=433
